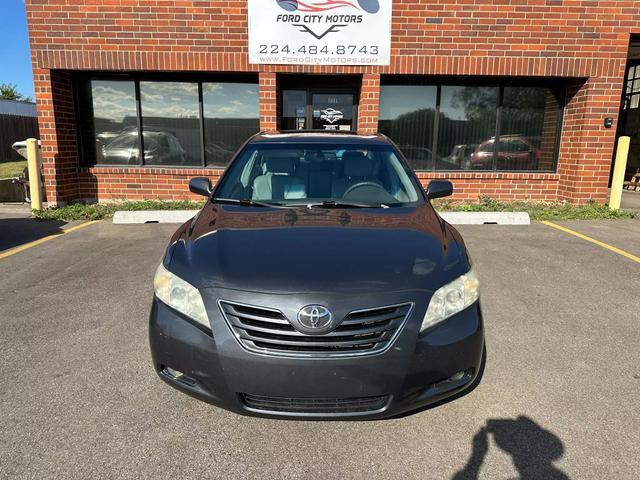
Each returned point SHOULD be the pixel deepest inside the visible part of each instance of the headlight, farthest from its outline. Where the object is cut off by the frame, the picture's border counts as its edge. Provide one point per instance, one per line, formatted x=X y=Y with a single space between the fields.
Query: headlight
x=180 y=295
x=451 y=299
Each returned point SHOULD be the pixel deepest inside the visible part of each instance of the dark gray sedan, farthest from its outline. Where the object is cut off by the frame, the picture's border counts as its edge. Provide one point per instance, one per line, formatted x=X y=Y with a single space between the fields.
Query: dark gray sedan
x=318 y=281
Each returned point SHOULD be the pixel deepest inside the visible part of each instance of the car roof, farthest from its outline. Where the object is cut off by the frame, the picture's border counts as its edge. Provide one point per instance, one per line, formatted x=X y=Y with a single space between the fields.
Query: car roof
x=342 y=138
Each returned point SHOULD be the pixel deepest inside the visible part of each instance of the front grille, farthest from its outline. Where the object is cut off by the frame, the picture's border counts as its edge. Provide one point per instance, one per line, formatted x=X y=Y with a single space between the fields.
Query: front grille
x=316 y=406
x=267 y=330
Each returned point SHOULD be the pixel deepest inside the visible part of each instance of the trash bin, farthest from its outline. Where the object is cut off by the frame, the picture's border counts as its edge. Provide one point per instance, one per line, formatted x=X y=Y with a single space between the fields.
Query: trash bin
x=17 y=189
x=21 y=148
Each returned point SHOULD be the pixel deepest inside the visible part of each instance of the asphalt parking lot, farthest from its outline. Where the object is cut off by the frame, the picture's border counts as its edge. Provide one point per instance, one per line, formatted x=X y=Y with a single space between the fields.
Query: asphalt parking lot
x=559 y=398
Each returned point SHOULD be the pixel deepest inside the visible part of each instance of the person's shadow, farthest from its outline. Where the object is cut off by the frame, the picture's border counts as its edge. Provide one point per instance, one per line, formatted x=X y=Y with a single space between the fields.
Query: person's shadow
x=532 y=448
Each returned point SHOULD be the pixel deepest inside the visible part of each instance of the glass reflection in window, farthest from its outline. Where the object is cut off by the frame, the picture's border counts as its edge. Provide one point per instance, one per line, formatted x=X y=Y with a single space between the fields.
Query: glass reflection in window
x=115 y=122
x=528 y=129
x=170 y=123
x=407 y=115
x=231 y=116
x=467 y=127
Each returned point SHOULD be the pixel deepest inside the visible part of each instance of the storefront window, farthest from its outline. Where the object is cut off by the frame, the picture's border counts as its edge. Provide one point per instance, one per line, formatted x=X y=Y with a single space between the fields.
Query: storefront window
x=473 y=127
x=467 y=127
x=115 y=123
x=407 y=115
x=183 y=123
x=170 y=123
x=230 y=117
x=528 y=129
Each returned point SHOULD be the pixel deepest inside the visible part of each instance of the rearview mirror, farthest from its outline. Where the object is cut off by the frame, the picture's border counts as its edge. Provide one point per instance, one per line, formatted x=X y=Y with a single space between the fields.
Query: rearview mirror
x=439 y=189
x=200 y=185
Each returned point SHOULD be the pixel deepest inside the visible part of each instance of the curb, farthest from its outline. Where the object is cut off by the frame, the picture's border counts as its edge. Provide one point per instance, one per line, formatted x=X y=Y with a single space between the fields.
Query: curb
x=455 y=218
x=486 y=218
x=153 y=216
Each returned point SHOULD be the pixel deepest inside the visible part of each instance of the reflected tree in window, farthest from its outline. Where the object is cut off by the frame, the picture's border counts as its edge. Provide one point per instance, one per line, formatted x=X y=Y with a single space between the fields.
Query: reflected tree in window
x=407 y=116
x=528 y=129
x=467 y=126
x=470 y=133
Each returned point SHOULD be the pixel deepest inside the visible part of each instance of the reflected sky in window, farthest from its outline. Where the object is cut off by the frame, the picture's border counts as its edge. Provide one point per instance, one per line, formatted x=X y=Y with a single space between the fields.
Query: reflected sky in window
x=169 y=99
x=230 y=100
x=113 y=100
x=396 y=100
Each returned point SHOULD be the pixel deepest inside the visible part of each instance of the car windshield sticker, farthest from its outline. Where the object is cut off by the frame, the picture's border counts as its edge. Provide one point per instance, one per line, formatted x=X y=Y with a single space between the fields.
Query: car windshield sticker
x=331 y=115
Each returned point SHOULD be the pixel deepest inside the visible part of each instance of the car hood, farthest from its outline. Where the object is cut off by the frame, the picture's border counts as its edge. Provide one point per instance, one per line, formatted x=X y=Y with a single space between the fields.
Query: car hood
x=300 y=250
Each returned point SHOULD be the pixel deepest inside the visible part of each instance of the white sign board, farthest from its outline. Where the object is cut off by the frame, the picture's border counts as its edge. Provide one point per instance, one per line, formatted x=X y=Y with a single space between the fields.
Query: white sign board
x=320 y=32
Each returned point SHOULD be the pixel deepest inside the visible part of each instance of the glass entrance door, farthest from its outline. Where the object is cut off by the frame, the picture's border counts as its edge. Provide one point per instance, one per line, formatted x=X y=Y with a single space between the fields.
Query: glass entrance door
x=318 y=110
x=294 y=110
x=332 y=111
x=629 y=123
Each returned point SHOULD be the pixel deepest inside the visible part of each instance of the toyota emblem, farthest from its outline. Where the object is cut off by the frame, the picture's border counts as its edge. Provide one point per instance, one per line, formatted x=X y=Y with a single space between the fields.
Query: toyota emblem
x=314 y=317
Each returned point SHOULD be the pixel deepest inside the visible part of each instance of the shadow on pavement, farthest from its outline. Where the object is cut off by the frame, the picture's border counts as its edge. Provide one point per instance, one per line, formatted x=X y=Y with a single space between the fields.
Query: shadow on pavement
x=532 y=448
x=16 y=231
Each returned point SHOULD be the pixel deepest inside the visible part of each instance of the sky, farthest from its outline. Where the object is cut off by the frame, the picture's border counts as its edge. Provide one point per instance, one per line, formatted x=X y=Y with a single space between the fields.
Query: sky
x=15 y=59
x=115 y=100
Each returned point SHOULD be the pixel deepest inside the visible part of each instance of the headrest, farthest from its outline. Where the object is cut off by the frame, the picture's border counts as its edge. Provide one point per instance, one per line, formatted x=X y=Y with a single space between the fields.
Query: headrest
x=356 y=164
x=279 y=165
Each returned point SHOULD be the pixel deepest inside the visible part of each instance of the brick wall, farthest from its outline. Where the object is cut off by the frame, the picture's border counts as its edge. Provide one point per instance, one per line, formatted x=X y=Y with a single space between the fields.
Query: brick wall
x=56 y=120
x=585 y=40
x=369 y=103
x=109 y=183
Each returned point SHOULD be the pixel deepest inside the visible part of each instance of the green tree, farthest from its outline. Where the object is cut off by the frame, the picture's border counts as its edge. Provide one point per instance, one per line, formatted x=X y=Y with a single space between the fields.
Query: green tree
x=9 y=91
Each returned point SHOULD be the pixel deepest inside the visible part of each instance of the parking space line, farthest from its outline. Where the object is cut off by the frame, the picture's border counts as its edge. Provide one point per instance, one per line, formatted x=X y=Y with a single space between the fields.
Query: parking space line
x=26 y=246
x=628 y=255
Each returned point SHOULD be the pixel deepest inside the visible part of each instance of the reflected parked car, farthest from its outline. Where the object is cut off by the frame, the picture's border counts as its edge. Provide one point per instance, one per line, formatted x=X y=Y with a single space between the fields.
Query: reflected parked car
x=419 y=158
x=107 y=137
x=219 y=154
x=515 y=152
x=461 y=156
x=160 y=148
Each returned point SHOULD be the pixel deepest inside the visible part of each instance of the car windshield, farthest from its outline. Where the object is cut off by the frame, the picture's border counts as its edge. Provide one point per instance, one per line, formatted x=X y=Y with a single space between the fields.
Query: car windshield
x=126 y=140
x=513 y=146
x=487 y=147
x=307 y=174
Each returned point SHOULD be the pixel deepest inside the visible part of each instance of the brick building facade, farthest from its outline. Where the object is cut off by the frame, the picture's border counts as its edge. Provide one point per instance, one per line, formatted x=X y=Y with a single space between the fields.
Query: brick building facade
x=578 y=47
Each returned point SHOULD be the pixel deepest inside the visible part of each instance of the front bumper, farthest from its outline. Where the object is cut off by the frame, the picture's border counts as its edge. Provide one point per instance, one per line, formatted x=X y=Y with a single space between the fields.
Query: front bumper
x=414 y=373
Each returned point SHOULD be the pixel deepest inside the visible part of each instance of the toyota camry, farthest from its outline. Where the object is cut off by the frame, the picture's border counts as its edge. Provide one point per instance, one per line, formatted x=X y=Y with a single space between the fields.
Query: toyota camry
x=318 y=281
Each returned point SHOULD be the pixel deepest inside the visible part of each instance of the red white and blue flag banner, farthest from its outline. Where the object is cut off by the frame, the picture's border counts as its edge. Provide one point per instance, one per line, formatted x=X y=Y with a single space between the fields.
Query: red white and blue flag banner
x=320 y=32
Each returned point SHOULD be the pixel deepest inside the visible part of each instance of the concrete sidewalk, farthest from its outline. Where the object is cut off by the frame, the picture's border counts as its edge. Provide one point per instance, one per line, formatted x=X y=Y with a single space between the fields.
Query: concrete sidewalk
x=630 y=200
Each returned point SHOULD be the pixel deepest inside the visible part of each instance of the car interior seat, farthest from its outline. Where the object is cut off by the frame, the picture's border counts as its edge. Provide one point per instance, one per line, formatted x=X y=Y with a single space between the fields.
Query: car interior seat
x=357 y=168
x=320 y=174
x=278 y=181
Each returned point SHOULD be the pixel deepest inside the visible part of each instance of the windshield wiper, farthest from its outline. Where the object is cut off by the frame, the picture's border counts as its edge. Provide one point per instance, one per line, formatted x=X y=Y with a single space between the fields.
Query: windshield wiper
x=345 y=204
x=326 y=204
x=247 y=202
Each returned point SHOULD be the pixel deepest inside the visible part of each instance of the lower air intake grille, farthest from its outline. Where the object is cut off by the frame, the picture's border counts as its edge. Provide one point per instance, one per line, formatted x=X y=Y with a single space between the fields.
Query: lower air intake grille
x=267 y=330
x=316 y=406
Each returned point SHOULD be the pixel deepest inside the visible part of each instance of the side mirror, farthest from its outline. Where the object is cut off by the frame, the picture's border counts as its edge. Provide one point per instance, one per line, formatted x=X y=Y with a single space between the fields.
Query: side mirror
x=439 y=189
x=201 y=186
